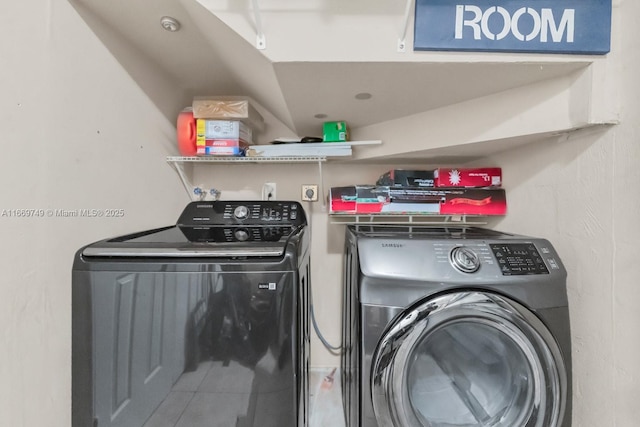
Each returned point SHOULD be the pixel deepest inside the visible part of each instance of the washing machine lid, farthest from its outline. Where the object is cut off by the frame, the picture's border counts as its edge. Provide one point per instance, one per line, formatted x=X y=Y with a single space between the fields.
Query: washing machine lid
x=214 y=229
x=173 y=243
x=468 y=359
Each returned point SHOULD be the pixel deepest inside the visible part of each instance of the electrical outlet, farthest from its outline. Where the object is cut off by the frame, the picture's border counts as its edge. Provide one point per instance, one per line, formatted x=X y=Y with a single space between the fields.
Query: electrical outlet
x=310 y=193
x=269 y=191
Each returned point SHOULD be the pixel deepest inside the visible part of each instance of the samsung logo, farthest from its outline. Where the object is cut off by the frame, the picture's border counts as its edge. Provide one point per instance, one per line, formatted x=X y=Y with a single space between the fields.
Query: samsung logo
x=392 y=245
x=539 y=25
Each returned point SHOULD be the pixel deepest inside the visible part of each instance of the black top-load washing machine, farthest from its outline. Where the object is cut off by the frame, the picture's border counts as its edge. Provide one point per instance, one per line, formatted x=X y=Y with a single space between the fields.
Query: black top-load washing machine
x=454 y=327
x=202 y=323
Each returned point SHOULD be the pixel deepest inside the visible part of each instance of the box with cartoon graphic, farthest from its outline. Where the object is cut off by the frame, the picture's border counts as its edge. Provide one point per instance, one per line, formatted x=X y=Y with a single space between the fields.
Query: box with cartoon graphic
x=468 y=177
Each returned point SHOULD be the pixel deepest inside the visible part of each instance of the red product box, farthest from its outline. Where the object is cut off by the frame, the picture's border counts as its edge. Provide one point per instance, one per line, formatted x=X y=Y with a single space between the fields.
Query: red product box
x=448 y=201
x=474 y=201
x=220 y=147
x=371 y=199
x=356 y=199
x=468 y=177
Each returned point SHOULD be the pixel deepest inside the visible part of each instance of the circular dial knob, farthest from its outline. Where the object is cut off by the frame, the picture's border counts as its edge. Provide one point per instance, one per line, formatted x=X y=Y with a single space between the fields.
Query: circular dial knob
x=241 y=235
x=241 y=212
x=464 y=259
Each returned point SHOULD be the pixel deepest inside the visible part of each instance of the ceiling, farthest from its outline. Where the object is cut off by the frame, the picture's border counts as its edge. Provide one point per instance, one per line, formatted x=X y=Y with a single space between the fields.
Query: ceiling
x=209 y=57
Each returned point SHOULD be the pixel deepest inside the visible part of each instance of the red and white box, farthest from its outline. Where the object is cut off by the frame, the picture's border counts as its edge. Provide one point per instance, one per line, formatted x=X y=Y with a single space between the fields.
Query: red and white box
x=221 y=137
x=221 y=147
x=358 y=199
x=468 y=177
x=475 y=201
x=448 y=201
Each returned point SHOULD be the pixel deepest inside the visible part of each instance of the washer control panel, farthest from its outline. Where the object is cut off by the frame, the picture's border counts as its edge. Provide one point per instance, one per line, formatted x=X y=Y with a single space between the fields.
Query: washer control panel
x=263 y=213
x=512 y=259
x=518 y=259
x=255 y=213
x=241 y=221
x=427 y=255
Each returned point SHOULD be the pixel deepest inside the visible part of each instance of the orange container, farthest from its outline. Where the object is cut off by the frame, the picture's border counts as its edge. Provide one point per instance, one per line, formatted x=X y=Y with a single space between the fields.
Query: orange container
x=186 y=132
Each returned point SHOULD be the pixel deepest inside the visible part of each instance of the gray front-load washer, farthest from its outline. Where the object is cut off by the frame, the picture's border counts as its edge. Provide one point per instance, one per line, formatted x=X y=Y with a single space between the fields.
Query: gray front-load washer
x=199 y=324
x=454 y=327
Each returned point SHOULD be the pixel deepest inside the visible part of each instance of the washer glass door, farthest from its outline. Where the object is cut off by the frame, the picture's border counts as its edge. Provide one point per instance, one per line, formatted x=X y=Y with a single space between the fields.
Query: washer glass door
x=468 y=359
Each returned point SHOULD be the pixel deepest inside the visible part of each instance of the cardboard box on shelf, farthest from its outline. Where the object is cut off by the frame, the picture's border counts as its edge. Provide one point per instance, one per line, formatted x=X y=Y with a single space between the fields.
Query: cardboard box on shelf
x=468 y=177
x=226 y=108
x=221 y=137
x=222 y=129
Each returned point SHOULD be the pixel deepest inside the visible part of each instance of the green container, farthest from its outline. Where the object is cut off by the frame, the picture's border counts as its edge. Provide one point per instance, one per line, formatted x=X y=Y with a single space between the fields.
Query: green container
x=335 y=132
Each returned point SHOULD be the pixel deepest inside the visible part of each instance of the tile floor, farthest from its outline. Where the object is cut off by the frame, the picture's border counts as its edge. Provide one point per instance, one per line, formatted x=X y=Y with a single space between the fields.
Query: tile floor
x=325 y=398
x=191 y=401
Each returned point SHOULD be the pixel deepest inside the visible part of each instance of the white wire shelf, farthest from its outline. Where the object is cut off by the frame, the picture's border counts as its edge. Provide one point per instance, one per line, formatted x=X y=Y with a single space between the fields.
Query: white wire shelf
x=197 y=193
x=408 y=219
x=249 y=159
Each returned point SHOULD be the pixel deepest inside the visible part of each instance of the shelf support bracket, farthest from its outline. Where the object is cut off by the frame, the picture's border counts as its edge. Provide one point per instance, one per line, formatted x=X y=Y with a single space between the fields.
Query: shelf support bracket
x=195 y=193
x=183 y=177
x=261 y=42
x=324 y=199
x=402 y=40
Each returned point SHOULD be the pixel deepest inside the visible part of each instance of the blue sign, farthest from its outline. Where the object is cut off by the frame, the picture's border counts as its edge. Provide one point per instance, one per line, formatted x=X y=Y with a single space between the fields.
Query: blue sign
x=541 y=26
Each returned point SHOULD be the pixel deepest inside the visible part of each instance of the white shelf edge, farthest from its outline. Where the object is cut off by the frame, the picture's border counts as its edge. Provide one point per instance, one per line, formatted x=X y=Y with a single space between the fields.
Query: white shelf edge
x=357 y=143
x=267 y=159
x=408 y=219
x=250 y=159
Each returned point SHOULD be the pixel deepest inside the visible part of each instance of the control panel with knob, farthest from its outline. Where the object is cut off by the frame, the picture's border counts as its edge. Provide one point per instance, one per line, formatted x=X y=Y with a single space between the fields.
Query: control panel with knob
x=241 y=235
x=464 y=259
x=241 y=212
x=241 y=221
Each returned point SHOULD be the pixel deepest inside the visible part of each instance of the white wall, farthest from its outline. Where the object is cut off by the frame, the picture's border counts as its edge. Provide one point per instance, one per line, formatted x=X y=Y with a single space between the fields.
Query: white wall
x=582 y=194
x=77 y=132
